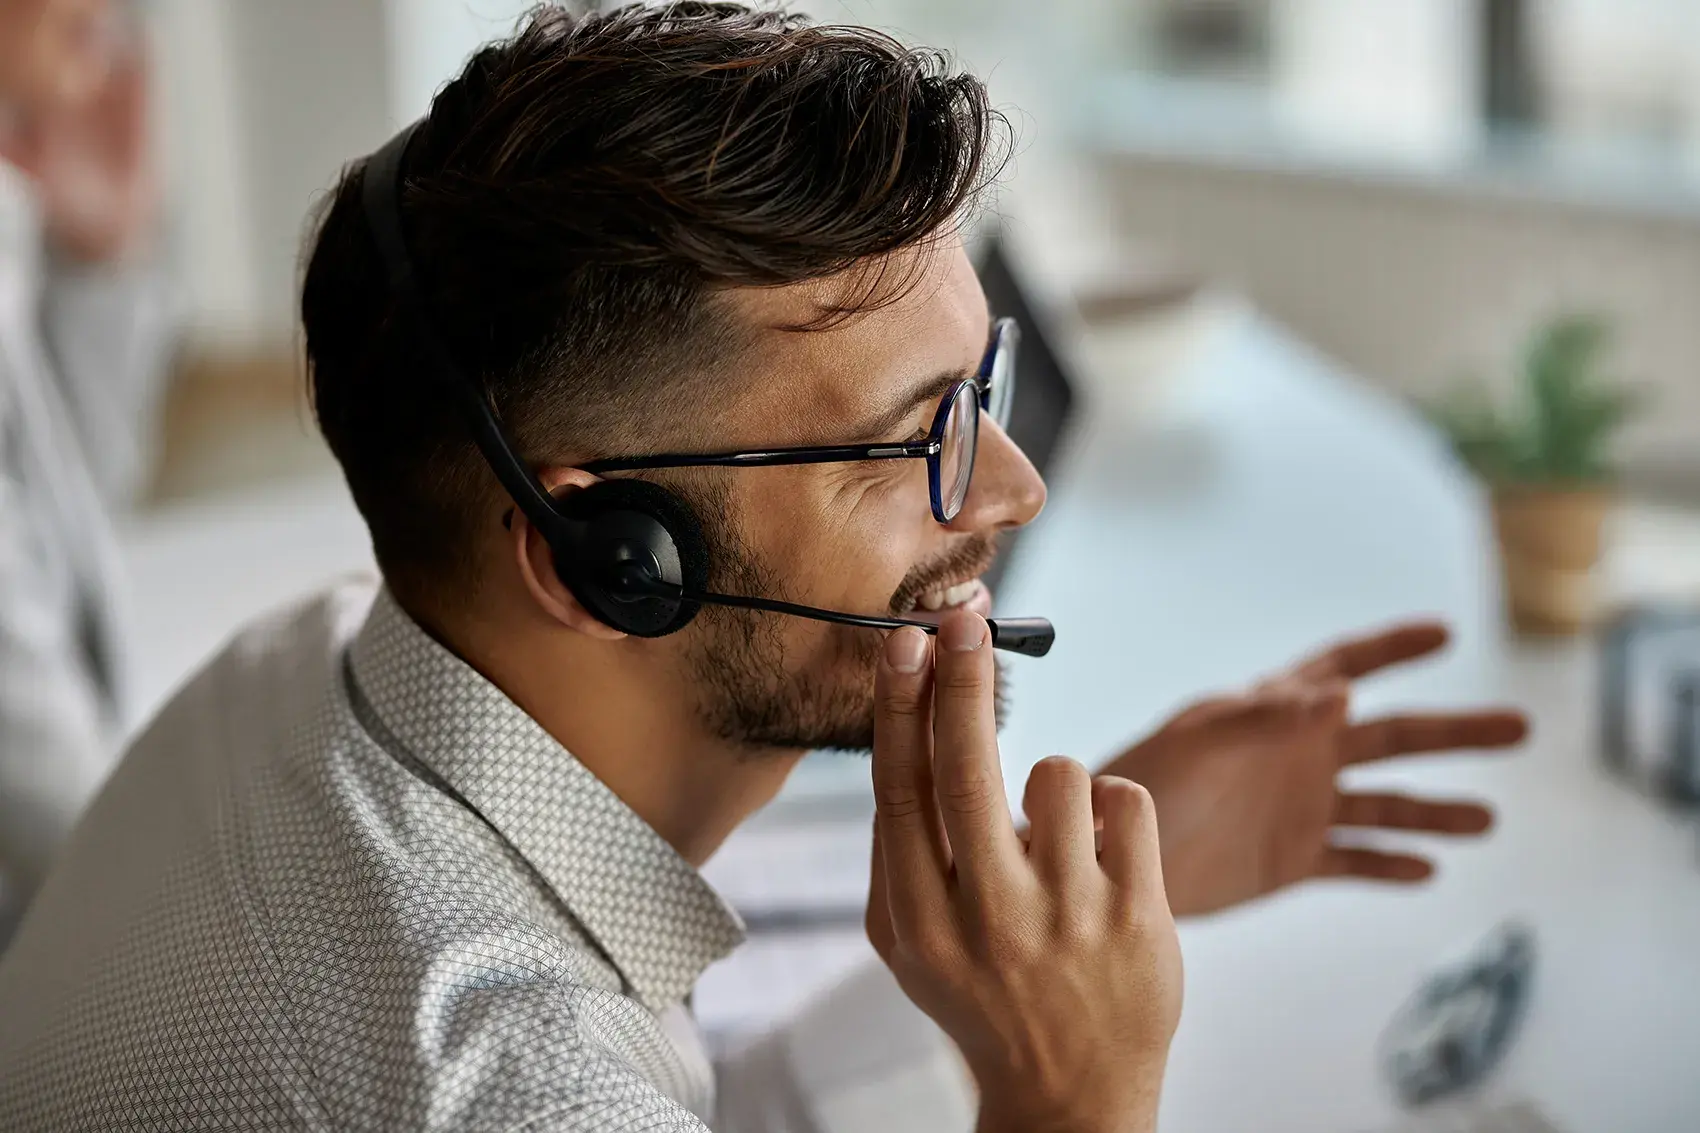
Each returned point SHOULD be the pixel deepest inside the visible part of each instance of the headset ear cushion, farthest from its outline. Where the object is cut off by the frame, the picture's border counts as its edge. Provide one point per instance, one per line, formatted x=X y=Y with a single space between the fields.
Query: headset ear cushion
x=672 y=512
x=620 y=512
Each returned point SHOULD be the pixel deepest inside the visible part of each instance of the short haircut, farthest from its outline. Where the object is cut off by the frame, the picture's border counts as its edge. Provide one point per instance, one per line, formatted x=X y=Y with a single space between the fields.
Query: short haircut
x=575 y=200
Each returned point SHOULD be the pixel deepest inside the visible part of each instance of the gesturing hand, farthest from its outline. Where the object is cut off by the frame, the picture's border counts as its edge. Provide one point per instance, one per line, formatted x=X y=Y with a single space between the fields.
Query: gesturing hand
x=1246 y=787
x=1053 y=966
x=91 y=163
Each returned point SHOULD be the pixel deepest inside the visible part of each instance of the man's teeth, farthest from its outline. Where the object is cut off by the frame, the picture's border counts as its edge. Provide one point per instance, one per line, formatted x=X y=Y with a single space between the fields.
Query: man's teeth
x=950 y=596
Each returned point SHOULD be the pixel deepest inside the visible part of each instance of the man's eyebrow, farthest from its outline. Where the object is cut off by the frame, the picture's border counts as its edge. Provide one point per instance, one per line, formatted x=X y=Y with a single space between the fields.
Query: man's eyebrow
x=930 y=390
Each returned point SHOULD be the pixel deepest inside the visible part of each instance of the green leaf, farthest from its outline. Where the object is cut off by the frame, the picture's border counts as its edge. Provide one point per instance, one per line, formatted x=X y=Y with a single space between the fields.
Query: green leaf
x=1561 y=423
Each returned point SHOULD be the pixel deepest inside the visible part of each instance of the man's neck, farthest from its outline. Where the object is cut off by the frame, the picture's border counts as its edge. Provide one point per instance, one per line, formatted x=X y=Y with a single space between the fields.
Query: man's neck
x=692 y=788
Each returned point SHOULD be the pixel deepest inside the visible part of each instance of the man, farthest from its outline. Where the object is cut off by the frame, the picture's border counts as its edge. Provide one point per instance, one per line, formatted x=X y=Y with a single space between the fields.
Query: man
x=428 y=859
x=82 y=334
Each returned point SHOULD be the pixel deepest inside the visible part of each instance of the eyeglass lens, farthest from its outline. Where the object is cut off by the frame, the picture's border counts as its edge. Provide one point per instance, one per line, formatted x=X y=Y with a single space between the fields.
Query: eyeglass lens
x=956 y=454
x=1000 y=384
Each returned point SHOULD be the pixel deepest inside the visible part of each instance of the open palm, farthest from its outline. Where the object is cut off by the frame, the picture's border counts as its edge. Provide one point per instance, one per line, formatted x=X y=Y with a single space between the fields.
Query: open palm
x=1247 y=790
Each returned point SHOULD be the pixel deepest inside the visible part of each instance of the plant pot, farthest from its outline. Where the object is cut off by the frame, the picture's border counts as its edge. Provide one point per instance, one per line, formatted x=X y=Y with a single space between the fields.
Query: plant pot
x=1549 y=545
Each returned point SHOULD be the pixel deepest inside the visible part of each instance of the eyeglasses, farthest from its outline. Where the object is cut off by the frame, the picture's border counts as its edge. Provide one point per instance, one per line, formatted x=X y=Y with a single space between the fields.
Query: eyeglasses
x=948 y=449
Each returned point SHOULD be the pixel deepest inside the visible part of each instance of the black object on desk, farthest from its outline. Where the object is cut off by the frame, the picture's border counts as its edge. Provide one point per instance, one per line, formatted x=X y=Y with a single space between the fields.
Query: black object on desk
x=1044 y=391
x=1682 y=771
x=1461 y=1022
x=1650 y=700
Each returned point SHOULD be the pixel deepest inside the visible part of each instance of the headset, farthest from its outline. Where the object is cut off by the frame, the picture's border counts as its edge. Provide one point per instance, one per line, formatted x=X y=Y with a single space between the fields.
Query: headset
x=631 y=552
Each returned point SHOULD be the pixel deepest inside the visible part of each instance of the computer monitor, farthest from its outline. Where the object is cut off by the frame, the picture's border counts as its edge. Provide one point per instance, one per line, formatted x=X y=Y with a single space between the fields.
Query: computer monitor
x=1044 y=392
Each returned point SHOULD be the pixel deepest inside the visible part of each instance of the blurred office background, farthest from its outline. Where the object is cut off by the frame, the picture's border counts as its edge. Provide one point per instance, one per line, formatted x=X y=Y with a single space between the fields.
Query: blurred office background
x=1261 y=230
x=1407 y=184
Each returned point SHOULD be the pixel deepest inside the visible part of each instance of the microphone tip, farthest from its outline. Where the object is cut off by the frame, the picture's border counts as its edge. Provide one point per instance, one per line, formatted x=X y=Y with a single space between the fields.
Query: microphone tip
x=1031 y=637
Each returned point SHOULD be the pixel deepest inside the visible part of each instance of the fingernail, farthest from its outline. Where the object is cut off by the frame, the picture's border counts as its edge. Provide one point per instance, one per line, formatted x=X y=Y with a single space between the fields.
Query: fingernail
x=963 y=633
x=906 y=650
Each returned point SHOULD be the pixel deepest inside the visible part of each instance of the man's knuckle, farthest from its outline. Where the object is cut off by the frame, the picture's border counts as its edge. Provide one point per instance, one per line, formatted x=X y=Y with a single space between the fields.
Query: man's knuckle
x=1125 y=795
x=900 y=706
x=958 y=684
x=967 y=793
x=897 y=791
x=1059 y=772
x=1139 y=800
x=1112 y=786
x=897 y=800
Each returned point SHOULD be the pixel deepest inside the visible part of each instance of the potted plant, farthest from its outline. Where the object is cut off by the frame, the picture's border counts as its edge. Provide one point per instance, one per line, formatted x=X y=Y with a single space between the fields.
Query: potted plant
x=1546 y=459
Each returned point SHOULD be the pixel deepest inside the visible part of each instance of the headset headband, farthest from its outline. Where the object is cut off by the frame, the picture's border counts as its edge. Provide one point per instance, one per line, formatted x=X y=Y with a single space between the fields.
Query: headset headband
x=381 y=191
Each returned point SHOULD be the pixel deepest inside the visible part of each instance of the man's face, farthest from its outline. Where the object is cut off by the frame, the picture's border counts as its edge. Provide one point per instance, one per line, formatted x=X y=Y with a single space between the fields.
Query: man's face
x=54 y=52
x=856 y=537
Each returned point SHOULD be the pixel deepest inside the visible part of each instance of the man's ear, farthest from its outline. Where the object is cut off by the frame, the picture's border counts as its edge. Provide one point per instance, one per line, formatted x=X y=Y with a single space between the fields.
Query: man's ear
x=537 y=562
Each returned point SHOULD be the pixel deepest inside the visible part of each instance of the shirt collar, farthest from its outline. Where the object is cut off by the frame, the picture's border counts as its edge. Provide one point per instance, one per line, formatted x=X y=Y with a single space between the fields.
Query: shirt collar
x=648 y=909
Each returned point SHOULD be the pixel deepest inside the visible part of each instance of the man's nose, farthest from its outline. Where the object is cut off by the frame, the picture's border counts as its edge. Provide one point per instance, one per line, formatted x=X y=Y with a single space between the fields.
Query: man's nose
x=1006 y=490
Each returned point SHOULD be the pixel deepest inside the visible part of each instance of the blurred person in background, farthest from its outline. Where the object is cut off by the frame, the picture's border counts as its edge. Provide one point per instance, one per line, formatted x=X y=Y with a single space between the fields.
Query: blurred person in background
x=83 y=324
x=428 y=856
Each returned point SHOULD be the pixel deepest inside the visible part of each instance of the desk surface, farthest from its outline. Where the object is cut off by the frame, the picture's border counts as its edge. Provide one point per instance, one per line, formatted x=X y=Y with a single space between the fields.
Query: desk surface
x=1269 y=502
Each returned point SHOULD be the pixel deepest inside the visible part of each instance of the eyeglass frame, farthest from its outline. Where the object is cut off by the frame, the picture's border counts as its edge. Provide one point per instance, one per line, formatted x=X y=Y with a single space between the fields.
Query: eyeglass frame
x=1005 y=340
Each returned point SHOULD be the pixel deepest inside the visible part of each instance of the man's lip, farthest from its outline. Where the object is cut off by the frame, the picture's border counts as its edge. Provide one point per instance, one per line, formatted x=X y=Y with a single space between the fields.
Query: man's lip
x=980 y=602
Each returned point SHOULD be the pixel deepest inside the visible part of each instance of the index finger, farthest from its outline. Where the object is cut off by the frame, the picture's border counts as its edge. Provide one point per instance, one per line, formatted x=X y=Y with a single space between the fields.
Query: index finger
x=967 y=774
x=906 y=813
x=1360 y=656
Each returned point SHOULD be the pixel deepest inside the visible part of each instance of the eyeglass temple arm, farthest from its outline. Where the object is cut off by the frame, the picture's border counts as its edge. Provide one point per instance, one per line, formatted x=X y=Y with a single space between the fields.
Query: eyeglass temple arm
x=755 y=458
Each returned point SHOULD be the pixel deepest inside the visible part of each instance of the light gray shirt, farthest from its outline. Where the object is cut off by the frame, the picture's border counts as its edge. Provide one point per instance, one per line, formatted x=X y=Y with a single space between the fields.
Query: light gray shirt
x=81 y=355
x=343 y=882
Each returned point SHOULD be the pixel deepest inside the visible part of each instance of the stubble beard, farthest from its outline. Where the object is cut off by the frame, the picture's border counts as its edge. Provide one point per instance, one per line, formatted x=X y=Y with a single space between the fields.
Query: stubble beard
x=756 y=699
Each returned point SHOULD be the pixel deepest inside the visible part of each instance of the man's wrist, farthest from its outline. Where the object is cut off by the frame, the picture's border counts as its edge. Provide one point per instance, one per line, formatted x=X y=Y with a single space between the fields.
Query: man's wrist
x=990 y=1122
x=1133 y=1109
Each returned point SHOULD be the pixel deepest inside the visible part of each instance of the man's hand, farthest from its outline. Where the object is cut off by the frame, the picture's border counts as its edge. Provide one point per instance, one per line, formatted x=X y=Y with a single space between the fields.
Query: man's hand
x=91 y=164
x=1246 y=787
x=1053 y=965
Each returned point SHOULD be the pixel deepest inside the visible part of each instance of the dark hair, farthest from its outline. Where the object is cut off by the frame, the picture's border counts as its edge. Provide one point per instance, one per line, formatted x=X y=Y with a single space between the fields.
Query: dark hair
x=574 y=200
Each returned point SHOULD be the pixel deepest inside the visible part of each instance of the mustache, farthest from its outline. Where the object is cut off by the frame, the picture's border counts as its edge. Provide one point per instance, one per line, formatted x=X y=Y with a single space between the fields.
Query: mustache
x=969 y=558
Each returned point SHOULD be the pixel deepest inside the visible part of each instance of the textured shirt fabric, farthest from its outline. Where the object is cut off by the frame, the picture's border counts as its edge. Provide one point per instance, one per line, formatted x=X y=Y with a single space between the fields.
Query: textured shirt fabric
x=342 y=882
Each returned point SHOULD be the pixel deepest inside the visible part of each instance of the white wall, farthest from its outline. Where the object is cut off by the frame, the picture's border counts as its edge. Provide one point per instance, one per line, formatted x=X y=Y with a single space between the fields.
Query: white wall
x=1367 y=76
x=430 y=40
x=1617 y=64
x=262 y=104
x=316 y=95
x=206 y=168
x=1412 y=284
